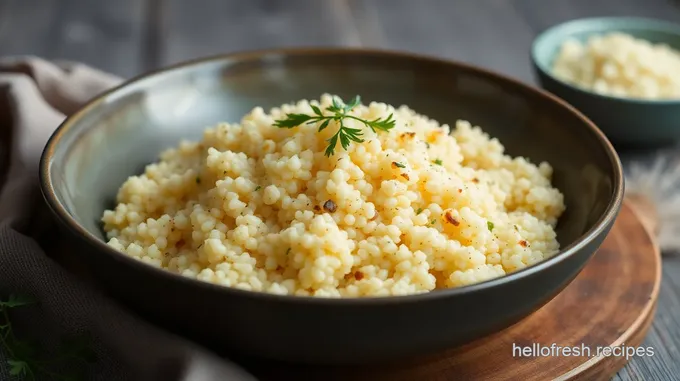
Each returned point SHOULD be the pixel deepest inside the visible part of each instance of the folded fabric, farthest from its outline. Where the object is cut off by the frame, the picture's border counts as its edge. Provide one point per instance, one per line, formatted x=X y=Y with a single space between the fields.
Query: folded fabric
x=35 y=96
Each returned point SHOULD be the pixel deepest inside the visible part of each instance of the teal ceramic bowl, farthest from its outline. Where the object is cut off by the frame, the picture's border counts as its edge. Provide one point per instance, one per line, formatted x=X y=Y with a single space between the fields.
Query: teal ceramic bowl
x=627 y=122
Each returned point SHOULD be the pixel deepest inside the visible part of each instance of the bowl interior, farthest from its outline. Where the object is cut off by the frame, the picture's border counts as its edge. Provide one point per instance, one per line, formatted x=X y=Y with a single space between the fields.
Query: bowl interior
x=115 y=136
x=547 y=44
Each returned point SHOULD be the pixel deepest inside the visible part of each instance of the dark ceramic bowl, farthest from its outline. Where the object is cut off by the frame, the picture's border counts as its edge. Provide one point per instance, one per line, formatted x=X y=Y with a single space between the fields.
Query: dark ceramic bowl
x=115 y=135
x=627 y=122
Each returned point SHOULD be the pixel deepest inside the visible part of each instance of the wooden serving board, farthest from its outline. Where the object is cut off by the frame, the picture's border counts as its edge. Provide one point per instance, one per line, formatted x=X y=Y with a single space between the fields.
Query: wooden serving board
x=611 y=303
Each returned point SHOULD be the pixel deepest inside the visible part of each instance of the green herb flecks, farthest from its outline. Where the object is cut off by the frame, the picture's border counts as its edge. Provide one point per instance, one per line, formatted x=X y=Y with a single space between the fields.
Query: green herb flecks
x=24 y=359
x=438 y=161
x=400 y=165
x=420 y=210
x=257 y=188
x=489 y=225
x=339 y=112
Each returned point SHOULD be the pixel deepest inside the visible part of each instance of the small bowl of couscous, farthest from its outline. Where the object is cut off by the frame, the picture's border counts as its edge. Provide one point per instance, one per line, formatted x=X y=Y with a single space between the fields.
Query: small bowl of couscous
x=621 y=72
x=331 y=205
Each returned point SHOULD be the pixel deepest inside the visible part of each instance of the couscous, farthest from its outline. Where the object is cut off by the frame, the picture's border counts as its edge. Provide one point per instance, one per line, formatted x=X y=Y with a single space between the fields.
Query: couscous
x=402 y=207
x=619 y=64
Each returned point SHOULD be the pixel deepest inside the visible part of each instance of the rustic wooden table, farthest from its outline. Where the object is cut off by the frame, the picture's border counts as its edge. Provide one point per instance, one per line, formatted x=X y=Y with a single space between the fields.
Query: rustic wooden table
x=127 y=37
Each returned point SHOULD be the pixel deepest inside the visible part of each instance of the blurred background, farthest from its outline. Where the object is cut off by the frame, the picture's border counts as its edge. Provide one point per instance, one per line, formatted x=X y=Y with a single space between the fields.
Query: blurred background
x=128 y=37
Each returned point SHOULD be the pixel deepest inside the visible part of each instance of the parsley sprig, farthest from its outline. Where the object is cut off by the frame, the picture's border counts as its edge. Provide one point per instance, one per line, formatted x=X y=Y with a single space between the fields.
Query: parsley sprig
x=23 y=356
x=339 y=112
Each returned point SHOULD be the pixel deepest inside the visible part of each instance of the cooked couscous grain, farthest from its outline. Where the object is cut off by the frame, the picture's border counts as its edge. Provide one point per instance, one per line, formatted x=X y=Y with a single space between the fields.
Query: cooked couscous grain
x=261 y=208
x=621 y=65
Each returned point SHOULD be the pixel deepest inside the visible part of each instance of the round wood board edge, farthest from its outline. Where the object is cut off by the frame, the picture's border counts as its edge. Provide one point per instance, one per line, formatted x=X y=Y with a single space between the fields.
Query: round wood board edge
x=605 y=367
x=629 y=257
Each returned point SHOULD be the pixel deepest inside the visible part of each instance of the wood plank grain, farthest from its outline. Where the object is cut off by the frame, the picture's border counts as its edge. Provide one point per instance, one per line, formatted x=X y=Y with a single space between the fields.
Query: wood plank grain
x=664 y=365
x=487 y=33
x=541 y=14
x=25 y=26
x=208 y=27
x=103 y=34
x=152 y=36
x=490 y=33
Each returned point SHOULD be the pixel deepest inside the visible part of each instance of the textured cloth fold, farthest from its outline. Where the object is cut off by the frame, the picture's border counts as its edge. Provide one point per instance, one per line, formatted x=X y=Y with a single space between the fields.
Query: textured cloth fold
x=35 y=96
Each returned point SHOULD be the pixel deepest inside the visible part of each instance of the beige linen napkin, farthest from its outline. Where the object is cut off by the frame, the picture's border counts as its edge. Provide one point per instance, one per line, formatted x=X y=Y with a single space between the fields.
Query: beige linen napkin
x=35 y=96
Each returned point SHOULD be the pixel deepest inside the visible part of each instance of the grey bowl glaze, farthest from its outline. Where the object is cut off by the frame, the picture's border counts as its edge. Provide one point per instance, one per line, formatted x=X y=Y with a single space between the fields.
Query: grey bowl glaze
x=115 y=135
x=634 y=123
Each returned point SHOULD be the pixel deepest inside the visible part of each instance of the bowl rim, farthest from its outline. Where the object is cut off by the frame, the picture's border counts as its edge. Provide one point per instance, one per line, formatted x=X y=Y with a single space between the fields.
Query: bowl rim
x=584 y=25
x=58 y=209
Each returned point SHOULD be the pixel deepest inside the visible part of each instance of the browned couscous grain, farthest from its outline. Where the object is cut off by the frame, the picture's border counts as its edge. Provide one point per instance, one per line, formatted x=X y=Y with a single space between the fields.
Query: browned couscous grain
x=385 y=217
x=330 y=206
